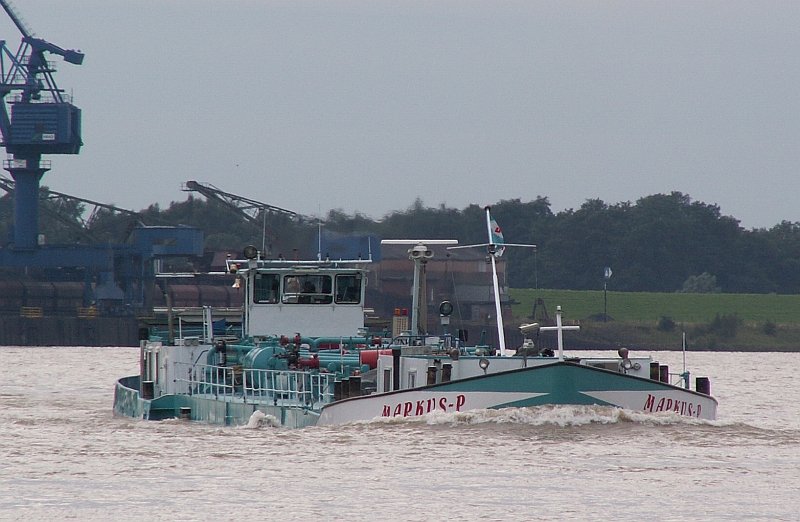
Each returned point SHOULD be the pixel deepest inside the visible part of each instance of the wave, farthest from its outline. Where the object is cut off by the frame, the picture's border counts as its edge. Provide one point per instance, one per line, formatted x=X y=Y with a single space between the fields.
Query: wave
x=553 y=415
x=259 y=419
x=580 y=417
x=586 y=420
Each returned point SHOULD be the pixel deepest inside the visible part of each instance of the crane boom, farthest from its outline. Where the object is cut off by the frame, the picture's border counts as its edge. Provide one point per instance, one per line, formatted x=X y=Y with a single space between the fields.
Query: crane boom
x=248 y=208
x=15 y=18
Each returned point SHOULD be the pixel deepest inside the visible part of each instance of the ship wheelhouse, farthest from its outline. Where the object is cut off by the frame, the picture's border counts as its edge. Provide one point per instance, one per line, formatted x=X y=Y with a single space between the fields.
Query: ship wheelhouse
x=312 y=300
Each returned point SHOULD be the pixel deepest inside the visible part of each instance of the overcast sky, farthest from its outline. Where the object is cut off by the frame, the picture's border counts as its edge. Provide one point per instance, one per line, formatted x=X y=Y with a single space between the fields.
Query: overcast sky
x=366 y=105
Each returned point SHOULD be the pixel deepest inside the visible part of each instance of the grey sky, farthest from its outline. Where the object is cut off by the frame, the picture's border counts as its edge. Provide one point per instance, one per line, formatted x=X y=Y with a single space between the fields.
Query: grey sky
x=366 y=105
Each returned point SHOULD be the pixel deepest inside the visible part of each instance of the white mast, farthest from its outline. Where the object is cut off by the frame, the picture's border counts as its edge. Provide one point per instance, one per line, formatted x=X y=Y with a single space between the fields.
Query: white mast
x=501 y=335
x=495 y=248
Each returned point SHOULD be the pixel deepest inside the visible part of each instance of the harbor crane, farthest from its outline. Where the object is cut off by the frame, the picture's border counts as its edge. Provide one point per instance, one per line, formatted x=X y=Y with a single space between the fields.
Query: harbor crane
x=37 y=119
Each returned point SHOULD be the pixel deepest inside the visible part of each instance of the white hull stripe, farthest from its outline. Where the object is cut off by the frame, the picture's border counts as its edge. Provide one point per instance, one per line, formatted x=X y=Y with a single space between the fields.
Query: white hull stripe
x=416 y=403
x=653 y=401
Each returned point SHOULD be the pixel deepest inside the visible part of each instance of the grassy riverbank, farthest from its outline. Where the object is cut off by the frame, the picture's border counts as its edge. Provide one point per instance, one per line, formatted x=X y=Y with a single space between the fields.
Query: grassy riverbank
x=747 y=322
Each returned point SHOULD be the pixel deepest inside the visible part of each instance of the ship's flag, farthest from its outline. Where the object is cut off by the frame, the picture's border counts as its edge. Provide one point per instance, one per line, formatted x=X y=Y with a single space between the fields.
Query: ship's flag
x=497 y=238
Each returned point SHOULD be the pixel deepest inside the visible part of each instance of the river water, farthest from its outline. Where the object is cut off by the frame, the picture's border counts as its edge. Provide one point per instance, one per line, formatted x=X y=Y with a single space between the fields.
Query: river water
x=63 y=455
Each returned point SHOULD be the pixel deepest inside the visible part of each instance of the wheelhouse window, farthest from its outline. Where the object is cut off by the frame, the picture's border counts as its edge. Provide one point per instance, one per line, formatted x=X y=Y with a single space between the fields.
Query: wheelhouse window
x=348 y=288
x=266 y=288
x=307 y=289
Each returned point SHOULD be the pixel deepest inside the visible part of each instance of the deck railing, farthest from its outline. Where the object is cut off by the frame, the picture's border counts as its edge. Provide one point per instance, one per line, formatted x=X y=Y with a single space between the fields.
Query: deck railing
x=277 y=387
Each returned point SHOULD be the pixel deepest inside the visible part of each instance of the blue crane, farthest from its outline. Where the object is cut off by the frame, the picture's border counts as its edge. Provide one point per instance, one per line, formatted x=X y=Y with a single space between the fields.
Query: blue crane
x=37 y=119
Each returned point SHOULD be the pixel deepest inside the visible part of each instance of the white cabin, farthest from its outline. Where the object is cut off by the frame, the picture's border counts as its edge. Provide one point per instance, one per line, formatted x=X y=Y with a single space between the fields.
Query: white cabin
x=313 y=300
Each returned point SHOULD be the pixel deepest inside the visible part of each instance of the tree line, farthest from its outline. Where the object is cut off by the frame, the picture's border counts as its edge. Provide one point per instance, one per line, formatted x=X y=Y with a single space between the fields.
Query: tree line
x=662 y=242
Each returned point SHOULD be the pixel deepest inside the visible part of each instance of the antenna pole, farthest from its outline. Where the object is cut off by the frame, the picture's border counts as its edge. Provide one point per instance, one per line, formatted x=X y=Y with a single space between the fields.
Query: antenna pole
x=319 y=240
x=415 y=298
x=500 y=332
x=494 y=253
x=264 y=233
x=683 y=347
x=489 y=226
x=419 y=254
x=560 y=334
x=492 y=248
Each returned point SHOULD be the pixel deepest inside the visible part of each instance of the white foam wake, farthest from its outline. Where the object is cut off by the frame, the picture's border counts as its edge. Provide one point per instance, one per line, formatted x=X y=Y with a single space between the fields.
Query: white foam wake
x=560 y=415
x=259 y=419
